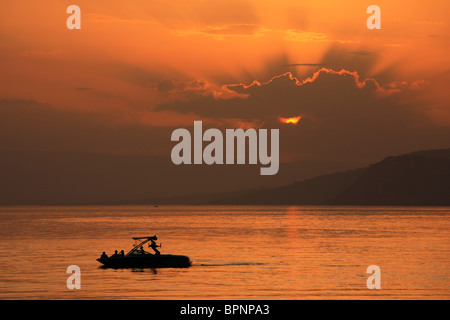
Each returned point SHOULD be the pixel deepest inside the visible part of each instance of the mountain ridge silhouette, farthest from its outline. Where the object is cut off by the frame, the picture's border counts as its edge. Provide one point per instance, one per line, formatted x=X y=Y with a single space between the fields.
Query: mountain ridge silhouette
x=419 y=178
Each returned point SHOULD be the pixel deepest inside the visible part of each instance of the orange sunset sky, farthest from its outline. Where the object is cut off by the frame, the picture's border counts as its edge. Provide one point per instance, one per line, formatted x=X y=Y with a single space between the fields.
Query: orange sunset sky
x=138 y=69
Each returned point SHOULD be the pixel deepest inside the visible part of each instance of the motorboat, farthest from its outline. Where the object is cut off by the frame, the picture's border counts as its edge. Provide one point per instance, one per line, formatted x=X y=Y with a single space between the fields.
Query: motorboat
x=139 y=258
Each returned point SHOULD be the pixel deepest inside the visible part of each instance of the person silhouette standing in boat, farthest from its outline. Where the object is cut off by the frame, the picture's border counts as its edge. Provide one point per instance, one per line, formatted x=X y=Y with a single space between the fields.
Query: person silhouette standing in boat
x=153 y=245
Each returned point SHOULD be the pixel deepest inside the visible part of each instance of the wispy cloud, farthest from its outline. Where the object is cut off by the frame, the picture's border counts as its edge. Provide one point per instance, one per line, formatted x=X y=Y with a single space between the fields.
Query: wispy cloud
x=98 y=17
x=305 y=36
x=220 y=32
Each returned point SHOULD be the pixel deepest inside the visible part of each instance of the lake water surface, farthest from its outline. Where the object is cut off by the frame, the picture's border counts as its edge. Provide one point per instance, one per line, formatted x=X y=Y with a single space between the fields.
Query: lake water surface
x=238 y=252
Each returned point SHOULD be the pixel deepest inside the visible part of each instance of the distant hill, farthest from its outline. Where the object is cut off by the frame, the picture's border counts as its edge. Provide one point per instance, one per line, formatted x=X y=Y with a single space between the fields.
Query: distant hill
x=418 y=178
x=319 y=190
x=74 y=178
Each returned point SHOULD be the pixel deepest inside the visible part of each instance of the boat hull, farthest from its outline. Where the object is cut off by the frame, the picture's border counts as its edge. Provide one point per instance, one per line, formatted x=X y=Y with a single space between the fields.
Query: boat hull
x=146 y=261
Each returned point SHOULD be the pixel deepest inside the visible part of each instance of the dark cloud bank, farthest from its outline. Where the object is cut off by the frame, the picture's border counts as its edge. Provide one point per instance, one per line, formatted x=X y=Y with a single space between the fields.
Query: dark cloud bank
x=63 y=156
